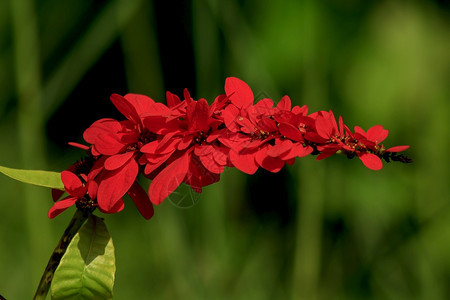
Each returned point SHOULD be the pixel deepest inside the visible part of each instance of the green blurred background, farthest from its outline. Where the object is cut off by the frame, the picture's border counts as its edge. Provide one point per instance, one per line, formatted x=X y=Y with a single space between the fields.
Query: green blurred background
x=317 y=230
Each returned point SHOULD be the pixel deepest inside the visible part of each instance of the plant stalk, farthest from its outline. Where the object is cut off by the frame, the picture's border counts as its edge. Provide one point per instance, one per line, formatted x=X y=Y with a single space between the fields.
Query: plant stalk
x=75 y=224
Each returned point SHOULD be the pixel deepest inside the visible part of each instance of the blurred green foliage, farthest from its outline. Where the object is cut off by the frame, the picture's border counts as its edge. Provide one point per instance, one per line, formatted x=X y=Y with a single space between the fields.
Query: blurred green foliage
x=346 y=232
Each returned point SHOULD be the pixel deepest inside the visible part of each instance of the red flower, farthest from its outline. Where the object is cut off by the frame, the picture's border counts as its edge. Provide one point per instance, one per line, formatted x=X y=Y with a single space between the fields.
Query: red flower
x=255 y=136
x=191 y=140
x=83 y=190
x=371 y=141
x=120 y=144
x=79 y=190
x=329 y=139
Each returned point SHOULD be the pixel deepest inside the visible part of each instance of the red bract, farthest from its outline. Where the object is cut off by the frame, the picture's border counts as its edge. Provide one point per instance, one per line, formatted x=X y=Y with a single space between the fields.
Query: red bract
x=189 y=141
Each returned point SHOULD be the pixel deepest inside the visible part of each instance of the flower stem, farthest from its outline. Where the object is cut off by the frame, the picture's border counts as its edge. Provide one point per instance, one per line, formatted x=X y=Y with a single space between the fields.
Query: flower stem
x=75 y=224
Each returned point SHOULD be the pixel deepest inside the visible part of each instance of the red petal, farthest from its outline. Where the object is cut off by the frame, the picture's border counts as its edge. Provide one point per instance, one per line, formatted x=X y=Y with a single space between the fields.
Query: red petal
x=238 y=92
x=272 y=164
x=325 y=154
x=323 y=127
x=117 y=207
x=370 y=160
x=244 y=161
x=187 y=96
x=332 y=119
x=263 y=106
x=235 y=141
x=290 y=161
x=198 y=115
x=267 y=124
x=279 y=149
x=93 y=189
x=97 y=168
x=159 y=146
x=348 y=131
x=301 y=151
x=198 y=176
x=141 y=103
x=108 y=144
x=56 y=194
x=201 y=150
x=300 y=110
x=230 y=115
x=154 y=163
x=141 y=200
x=126 y=108
x=397 y=149
x=156 y=124
x=246 y=125
x=210 y=164
x=157 y=158
x=103 y=134
x=73 y=184
x=341 y=126
x=115 y=184
x=359 y=132
x=61 y=206
x=216 y=134
x=158 y=109
x=80 y=146
x=184 y=142
x=150 y=147
x=220 y=155
x=168 y=179
x=172 y=99
x=377 y=134
x=130 y=134
x=290 y=132
x=219 y=103
x=102 y=126
x=167 y=143
x=118 y=160
x=297 y=150
x=285 y=103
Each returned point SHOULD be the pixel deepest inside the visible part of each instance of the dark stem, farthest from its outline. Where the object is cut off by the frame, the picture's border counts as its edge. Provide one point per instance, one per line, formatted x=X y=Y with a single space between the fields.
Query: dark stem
x=75 y=224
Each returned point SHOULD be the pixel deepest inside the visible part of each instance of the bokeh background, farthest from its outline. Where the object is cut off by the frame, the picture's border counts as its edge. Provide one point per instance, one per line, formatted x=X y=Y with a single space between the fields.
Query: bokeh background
x=317 y=230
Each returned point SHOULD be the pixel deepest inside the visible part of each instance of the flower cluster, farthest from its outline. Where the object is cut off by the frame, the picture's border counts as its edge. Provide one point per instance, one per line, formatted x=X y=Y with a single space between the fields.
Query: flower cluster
x=190 y=141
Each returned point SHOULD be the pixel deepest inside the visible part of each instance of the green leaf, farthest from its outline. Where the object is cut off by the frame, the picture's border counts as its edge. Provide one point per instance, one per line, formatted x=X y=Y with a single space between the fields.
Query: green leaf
x=87 y=269
x=36 y=177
